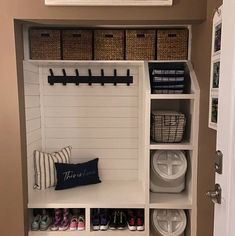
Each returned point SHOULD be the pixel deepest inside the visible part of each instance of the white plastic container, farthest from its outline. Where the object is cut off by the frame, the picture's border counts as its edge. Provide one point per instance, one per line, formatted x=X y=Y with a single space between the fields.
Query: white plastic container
x=168 y=169
x=168 y=222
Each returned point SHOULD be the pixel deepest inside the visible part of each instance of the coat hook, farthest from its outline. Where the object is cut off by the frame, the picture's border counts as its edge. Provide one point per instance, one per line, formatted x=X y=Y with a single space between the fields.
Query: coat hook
x=102 y=75
x=51 y=72
x=77 y=75
x=128 y=75
x=115 y=75
x=64 y=74
x=90 y=77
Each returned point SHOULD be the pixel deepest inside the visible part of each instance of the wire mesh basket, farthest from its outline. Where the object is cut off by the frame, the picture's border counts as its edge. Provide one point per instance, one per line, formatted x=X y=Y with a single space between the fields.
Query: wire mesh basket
x=167 y=126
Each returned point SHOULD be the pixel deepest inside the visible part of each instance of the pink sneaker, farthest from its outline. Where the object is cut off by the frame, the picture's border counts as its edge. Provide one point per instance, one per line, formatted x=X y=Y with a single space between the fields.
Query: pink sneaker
x=73 y=223
x=81 y=223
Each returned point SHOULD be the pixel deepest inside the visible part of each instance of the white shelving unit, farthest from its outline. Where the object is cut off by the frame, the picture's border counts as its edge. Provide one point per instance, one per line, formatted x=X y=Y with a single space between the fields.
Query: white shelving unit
x=120 y=138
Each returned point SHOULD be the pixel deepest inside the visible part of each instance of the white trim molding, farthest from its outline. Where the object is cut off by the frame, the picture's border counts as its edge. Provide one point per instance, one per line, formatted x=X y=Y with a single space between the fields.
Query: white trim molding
x=109 y=2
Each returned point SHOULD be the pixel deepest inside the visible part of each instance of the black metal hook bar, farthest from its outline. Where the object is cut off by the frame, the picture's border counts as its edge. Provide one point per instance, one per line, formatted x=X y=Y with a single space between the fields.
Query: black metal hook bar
x=90 y=79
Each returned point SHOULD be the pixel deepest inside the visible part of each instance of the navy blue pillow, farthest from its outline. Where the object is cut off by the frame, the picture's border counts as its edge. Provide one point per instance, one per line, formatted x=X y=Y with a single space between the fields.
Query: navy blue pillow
x=73 y=175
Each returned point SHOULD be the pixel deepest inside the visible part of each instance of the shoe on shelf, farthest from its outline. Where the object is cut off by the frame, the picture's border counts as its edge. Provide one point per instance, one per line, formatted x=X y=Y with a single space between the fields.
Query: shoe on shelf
x=73 y=223
x=122 y=221
x=81 y=223
x=114 y=220
x=131 y=220
x=57 y=220
x=45 y=222
x=95 y=220
x=36 y=223
x=104 y=219
x=64 y=225
x=140 y=220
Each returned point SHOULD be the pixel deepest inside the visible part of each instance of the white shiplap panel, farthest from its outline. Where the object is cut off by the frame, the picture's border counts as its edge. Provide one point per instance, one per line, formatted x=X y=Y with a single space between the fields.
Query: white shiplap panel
x=31 y=89
x=32 y=113
x=32 y=101
x=114 y=112
x=34 y=146
x=92 y=143
x=32 y=125
x=114 y=175
x=70 y=101
x=30 y=77
x=33 y=136
x=91 y=133
x=91 y=122
x=28 y=66
x=95 y=90
x=102 y=153
x=111 y=164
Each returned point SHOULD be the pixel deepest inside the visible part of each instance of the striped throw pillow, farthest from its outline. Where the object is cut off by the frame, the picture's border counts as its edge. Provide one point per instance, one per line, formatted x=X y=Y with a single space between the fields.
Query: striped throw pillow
x=44 y=166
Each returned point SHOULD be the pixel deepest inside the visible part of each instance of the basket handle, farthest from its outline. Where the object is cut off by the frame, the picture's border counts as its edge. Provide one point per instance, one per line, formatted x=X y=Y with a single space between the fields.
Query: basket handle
x=141 y=35
x=172 y=35
x=108 y=35
x=171 y=121
x=77 y=35
x=45 y=35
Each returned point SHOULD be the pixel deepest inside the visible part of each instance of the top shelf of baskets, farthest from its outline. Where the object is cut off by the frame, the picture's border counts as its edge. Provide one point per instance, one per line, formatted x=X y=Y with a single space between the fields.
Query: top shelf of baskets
x=107 y=44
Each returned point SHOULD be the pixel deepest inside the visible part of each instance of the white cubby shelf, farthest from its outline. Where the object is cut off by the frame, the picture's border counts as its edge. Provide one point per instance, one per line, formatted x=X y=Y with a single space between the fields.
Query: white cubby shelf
x=111 y=123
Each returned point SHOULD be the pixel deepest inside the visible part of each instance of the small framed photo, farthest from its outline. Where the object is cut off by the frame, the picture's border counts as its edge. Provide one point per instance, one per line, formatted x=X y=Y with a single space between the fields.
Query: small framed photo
x=217 y=38
x=215 y=74
x=214 y=110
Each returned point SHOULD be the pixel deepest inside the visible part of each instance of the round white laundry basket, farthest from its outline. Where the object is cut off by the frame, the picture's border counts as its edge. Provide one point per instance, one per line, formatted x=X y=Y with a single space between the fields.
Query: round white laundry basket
x=168 y=169
x=169 y=222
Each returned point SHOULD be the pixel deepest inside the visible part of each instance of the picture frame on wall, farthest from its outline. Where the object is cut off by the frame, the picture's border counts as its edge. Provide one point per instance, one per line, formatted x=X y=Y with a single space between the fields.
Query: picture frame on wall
x=214 y=110
x=217 y=37
x=215 y=74
x=108 y=2
x=215 y=68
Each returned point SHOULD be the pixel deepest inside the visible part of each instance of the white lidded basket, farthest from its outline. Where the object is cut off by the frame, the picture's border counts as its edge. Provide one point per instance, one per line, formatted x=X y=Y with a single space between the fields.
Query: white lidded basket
x=169 y=222
x=168 y=169
x=167 y=126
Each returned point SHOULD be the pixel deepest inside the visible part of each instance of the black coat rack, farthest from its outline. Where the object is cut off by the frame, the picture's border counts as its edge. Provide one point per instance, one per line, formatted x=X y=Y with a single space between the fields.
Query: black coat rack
x=90 y=79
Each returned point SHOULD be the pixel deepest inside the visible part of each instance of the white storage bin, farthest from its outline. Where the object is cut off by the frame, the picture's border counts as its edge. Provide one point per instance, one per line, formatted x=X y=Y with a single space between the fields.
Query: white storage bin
x=168 y=222
x=168 y=169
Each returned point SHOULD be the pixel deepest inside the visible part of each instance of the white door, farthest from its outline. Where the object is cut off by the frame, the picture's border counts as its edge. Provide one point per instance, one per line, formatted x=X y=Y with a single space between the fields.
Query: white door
x=224 y=224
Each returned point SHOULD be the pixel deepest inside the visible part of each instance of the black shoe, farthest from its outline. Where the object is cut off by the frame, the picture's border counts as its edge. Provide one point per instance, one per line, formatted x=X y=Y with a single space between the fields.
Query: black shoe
x=122 y=220
x=104 y=219
x=113 y=220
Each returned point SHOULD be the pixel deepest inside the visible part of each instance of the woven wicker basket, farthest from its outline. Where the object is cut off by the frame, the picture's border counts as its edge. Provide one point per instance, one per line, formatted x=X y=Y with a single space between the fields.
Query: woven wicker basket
x=109 y=45
x=172 y=44
x=45 y=44
x=167 y=126
x=140 y=44
x=77 y=44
